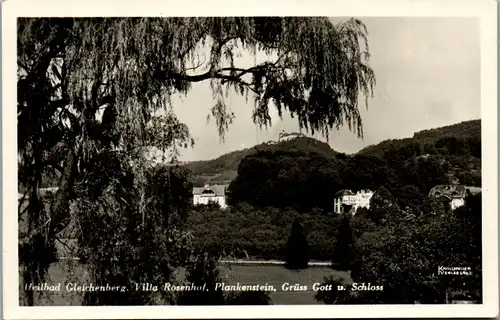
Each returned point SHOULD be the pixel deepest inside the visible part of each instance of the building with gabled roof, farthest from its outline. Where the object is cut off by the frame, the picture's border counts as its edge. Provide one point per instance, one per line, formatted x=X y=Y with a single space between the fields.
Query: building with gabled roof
x=344 y=192
x=347 y=199
x=210 y=194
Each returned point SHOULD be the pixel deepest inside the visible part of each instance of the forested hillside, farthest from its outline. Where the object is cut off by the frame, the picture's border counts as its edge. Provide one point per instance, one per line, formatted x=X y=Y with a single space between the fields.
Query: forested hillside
x=458 y=145
x=304 y=180
x=463 y=130
x=224 y=168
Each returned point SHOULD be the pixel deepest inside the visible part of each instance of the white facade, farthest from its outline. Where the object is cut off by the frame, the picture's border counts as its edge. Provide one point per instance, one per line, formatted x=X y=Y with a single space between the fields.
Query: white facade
x=210 y=194
x=457 y=202
x=206 y=199
x=360 y=199
x=363 y=198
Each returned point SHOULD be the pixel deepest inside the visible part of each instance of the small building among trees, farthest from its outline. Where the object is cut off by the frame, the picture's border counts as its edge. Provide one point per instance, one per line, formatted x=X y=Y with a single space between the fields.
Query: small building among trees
x=453 y=194
x=346 y=199
x=284 y=136
x=210 y=194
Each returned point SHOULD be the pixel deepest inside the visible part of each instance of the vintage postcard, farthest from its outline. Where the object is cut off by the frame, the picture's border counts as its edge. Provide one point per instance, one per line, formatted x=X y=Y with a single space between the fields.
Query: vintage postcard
x=269 y=159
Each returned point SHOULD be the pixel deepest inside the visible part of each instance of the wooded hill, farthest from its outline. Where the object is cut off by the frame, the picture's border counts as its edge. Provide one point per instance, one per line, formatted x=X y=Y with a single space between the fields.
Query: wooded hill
x=224 y=168
x=433 y=141
x=462 y=130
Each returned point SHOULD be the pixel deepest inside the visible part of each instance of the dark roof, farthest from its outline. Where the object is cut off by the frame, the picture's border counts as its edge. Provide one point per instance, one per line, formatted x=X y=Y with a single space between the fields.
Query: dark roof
x=344 y=192
x=446 y=190
x=219 y=190
x=444 y=198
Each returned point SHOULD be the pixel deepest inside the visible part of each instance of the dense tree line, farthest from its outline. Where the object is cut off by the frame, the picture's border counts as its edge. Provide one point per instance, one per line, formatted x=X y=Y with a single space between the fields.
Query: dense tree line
x=306 y=180
x=344 y=251
x=285 y=179
x=249 y=232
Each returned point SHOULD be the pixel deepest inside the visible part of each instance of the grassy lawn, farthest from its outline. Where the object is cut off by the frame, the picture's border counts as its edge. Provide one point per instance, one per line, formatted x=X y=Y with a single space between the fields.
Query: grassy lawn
x=276 y=276
x=261 y=275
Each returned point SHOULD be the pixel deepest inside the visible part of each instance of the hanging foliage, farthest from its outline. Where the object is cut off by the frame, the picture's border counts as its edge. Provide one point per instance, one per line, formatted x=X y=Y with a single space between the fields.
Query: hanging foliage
x=94 y=97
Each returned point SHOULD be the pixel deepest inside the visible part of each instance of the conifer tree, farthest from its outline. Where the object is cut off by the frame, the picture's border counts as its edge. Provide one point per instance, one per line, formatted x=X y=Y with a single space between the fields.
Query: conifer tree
x=343 y=254
x=297 y=255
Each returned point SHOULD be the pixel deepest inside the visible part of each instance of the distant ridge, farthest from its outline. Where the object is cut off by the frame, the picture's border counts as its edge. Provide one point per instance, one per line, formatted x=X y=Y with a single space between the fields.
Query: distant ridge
x=224 y=168
x=466 y=129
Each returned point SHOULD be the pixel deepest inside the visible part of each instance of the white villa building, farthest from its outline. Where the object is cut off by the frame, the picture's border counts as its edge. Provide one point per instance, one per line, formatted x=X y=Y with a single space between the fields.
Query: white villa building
x=360 y=199
x=210 y=193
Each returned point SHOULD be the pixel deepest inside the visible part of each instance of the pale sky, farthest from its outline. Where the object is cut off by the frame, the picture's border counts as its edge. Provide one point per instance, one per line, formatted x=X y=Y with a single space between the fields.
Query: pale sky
x=428 y=75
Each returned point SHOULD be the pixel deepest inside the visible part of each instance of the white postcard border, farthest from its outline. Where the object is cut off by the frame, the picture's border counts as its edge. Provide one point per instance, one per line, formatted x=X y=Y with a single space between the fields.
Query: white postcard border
x=485 y=10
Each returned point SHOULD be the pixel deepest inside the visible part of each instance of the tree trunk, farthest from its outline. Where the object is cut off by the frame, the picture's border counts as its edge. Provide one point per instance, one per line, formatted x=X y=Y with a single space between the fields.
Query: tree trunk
x=28 y=294
x=59 y=218
x=60 y=204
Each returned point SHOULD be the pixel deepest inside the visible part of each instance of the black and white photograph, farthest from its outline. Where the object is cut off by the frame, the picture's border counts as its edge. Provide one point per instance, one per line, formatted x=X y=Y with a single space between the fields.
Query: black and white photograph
x=331 y=160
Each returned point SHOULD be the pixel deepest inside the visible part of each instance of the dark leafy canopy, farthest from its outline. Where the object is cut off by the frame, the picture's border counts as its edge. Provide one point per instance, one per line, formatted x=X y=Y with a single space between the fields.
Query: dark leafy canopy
x=388 y=163
x=91 y=87
x=317 y=76
x=409 y=196
x=246 y=232
x=468 y=131
x=284 y=179
x=404 y=255
x=383 y=206
x=304 y=178
x=425 y=174
x=170 y=192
